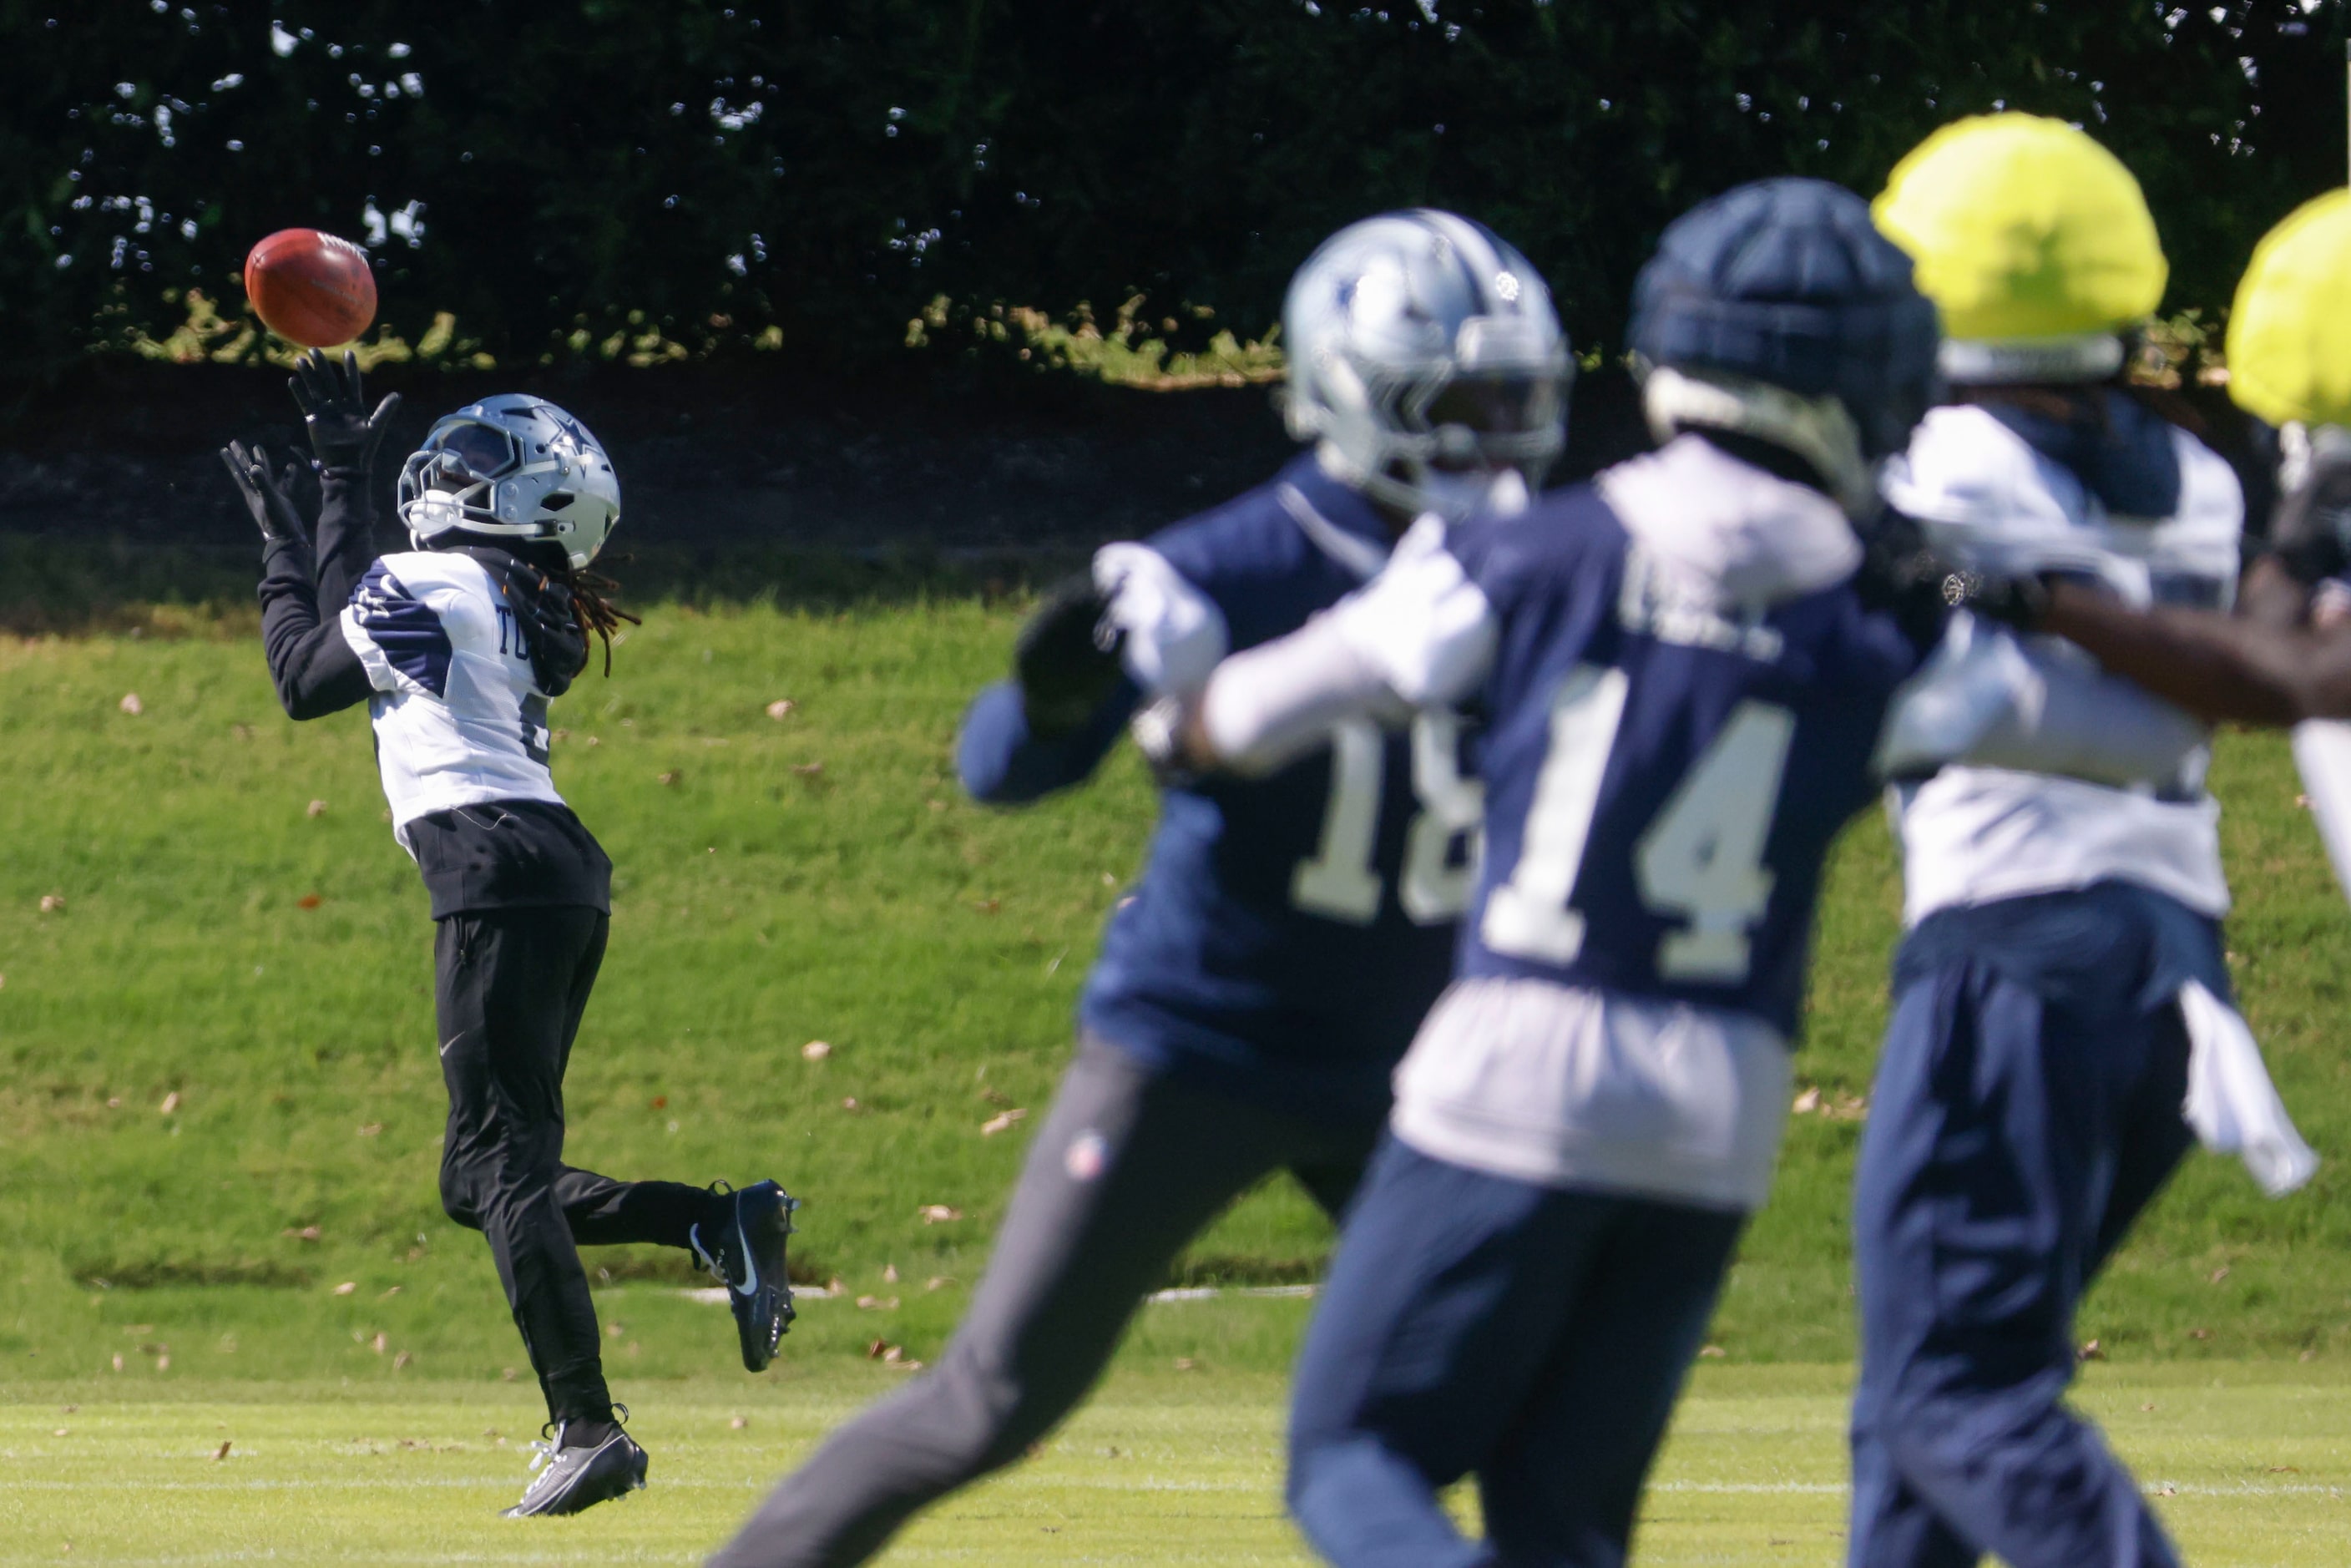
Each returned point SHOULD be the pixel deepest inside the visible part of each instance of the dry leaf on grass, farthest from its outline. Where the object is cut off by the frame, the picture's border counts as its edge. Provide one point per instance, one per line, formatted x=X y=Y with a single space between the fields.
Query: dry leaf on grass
x=809 y=769
x=1712 y=1351
x=315 y=809
x=849 y=1103
x=877 y=1303
x=2093 y=1351
x=736 y=1423
x=1001 y=1122
x=889 y=1273
x=939 y=1213
x=117 y=1364
x=403 y=1359
x=308 y=901
x=372 y=1129
x=347 y=1287
x=379 y=1344
x=882 y=1348
x=307 y=1233
x=816 y=1050
x=53 y=903
x=171 y=1102
x=781 y=709
x=131 y=705
x=673 y=776
x=222 y=1452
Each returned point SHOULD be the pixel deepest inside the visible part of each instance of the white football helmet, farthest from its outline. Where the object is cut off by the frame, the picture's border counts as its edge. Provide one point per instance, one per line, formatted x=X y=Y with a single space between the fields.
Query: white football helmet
x=1425 y=360
x=511 y=467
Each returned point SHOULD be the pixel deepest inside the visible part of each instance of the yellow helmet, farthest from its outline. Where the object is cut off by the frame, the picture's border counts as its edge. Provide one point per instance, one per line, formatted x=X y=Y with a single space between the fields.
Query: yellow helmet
x=2033 y=240
x=2290 y=332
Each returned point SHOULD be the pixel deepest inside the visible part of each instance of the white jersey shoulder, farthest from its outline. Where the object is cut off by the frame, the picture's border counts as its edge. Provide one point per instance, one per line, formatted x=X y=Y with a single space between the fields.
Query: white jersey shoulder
x=1707 y=528
x=1988 y=500
x=1995 y=823
x=458 y=719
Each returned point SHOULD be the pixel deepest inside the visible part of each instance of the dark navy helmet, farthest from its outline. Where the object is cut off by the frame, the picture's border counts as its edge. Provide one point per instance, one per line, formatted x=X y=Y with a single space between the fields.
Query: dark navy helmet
x=1787 y=284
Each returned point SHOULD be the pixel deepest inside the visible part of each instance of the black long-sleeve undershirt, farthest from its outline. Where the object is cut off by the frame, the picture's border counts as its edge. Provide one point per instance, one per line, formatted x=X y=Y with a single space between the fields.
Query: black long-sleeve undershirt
x=302 y=596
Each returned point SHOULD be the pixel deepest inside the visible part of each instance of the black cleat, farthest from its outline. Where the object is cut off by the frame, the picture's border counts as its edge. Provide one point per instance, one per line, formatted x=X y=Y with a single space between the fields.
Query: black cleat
x=570 y=1480
x=747 y=1256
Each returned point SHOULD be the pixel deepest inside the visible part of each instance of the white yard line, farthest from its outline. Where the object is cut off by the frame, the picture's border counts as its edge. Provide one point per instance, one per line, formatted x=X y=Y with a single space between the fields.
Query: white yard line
x=717 y=1295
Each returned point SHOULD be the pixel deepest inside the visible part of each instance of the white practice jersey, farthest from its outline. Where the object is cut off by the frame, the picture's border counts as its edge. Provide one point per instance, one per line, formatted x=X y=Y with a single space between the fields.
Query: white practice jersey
x=459 y=720
x=1974 y=833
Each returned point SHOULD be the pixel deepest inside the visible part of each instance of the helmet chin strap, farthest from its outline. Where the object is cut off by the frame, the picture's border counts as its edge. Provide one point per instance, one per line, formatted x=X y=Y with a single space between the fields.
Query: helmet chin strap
x=1817 y=429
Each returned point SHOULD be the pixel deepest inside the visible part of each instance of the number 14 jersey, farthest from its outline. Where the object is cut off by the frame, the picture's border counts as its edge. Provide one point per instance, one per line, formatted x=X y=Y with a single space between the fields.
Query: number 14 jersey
x=1682 y=693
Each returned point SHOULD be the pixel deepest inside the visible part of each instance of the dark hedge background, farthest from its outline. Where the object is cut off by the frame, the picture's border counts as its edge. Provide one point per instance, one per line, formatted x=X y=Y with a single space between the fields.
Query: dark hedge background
x=828 y=168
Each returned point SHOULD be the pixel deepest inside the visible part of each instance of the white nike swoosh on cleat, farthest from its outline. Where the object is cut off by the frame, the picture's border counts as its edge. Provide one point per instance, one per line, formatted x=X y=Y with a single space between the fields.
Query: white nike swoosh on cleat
x=750 y=1264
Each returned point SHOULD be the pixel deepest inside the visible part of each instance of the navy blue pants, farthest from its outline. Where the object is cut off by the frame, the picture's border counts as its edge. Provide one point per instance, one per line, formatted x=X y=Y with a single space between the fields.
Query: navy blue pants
x=2027 y=1109
x=1533 y=1336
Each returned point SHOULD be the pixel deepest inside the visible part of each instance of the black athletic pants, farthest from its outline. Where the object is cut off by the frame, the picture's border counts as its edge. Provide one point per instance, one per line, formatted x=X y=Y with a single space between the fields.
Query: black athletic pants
x=1127 y=1168
x=511 y=985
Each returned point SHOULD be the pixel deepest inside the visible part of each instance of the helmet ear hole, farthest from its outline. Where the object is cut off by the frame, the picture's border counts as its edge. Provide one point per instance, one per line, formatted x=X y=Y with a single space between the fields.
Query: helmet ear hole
x=556 y=500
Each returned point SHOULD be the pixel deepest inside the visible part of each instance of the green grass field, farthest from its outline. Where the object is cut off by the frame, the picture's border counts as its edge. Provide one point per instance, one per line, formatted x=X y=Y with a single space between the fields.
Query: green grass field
x=216 y=1039
x=2249 y=1466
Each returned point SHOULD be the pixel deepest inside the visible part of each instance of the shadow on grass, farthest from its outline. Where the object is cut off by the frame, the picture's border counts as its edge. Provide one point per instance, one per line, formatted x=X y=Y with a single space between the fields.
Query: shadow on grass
x=114 y=586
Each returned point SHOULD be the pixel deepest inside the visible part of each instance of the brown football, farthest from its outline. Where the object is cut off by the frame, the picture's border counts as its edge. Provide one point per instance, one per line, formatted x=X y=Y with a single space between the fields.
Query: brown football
x=311 y=288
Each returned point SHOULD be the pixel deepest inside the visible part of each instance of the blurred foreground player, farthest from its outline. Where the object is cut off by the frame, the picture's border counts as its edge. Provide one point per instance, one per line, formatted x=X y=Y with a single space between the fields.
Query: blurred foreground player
x=1289 y=933
x=1683 y=688
x=457 y=647
x=2062 y=1027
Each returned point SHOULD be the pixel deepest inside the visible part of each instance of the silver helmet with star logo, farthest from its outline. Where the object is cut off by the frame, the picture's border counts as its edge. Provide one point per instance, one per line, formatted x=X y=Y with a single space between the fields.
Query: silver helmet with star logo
x=511 y=469
x=1426 y=362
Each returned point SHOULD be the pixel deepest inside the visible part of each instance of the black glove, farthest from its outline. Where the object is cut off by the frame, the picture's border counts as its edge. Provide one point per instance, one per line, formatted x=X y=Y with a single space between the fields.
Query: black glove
x=270 y=499
x=2308 y=529
x=343 y=433
x=1902 y=576
x=547 y=614
x=2019 y=602
x=1067 y=658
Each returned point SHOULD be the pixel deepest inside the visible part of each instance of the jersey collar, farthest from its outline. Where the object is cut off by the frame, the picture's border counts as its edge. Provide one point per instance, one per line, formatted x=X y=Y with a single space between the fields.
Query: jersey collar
x=1334 y=517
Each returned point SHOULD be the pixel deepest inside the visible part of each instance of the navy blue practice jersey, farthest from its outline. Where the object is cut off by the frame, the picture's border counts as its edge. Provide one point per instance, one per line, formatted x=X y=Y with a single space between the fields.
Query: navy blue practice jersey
x=1289 y=932
x=1663 y=780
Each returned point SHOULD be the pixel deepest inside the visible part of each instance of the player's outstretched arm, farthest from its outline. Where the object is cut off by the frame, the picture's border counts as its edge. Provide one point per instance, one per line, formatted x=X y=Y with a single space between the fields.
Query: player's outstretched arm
x=1418 y=634
x=348 y=439
x=1051 y=723
x=314 y=669
x=2232 y=668
x=2265 y=664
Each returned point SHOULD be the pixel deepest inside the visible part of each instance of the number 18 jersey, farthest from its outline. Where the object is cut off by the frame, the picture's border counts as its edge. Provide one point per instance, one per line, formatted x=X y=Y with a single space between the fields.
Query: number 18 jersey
x=1289 y=933
x=1683 y=698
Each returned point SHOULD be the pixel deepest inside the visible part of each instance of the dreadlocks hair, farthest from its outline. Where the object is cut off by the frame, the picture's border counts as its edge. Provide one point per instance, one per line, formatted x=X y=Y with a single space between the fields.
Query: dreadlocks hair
x=591 y=602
